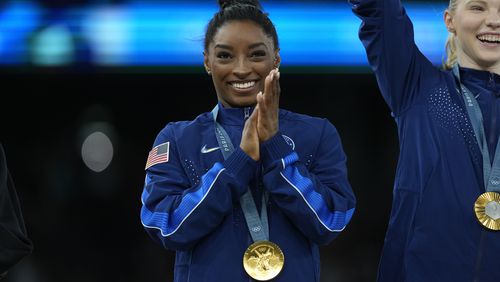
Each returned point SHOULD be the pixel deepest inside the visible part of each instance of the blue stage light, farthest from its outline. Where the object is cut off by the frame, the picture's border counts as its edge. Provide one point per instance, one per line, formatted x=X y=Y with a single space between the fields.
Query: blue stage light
x=171 y=33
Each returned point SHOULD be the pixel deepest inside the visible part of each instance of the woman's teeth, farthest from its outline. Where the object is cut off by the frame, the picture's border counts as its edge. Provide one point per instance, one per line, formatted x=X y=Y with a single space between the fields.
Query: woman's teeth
x=489 y=38
x=243 y=85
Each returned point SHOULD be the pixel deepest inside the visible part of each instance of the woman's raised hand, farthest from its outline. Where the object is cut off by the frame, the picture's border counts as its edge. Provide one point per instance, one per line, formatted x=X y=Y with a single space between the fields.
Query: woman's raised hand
x=249 y=138
x=268 y=107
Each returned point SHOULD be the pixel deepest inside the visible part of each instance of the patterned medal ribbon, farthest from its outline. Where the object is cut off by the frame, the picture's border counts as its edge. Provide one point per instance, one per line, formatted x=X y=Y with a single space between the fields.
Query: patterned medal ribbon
x=263 y=260
x=487 y=205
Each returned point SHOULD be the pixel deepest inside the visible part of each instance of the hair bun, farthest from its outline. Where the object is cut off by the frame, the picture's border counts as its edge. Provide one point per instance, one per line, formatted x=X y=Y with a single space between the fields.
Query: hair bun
x=224 y=4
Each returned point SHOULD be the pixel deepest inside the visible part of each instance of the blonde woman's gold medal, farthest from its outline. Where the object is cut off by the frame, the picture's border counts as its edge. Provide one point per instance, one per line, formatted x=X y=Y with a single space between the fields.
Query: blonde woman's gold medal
x=487 y=209
x=263 y=260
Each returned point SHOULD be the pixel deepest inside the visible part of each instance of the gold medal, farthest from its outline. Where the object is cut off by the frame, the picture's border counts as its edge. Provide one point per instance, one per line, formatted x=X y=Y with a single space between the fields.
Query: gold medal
x=263 y=260
x=487 y=209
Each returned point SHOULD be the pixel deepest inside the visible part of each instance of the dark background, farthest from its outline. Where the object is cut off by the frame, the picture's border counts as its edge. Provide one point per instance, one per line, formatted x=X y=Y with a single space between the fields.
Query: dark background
x=85 y=225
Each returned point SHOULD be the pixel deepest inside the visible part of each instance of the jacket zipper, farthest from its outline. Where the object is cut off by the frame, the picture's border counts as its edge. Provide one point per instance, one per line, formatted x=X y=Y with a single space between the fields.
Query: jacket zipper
x=247 y=112
x=479 y=257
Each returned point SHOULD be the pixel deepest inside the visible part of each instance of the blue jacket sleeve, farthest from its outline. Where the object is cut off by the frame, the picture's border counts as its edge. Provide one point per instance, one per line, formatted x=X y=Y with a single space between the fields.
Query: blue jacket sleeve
x=177 y=212
x=387 y=35
x=318 y=201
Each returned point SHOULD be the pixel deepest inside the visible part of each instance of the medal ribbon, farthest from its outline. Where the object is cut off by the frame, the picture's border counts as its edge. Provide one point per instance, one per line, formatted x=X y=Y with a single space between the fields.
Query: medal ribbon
x=258 y=226
x=491 y=173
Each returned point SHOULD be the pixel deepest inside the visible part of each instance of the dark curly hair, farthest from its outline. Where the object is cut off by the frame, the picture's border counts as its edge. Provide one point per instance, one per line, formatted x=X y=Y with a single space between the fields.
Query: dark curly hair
x=231 y=10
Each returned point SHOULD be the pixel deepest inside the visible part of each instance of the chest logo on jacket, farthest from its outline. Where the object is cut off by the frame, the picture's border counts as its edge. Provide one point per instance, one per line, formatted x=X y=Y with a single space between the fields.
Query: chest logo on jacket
x=205 y=150
x=289 y=141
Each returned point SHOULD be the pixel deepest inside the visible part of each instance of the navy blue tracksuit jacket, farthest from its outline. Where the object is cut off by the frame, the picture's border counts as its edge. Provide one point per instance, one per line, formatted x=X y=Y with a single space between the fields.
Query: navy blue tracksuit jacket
x=191 y=202
x=433 y=233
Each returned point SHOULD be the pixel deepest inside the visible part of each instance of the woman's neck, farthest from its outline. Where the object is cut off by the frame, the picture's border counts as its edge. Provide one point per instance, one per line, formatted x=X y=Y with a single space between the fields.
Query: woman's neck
x=466 y=62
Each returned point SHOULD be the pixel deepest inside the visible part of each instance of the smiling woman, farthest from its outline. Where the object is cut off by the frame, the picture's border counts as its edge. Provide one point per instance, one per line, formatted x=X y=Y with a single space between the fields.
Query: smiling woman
x=447 y=188
x=474 y=27
x=239 y=58
x=258 y=210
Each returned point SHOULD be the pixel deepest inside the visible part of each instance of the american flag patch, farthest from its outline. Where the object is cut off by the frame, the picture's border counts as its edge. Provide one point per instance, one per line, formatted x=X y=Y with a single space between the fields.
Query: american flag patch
x=158 y=155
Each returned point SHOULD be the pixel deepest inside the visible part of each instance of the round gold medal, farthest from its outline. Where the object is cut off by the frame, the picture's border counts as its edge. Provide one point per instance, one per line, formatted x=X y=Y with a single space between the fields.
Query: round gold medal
x=263 y=260
x=487 y=209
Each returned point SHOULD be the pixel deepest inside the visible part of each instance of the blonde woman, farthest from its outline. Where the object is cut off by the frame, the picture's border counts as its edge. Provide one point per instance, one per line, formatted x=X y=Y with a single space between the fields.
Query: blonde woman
x=446 y=212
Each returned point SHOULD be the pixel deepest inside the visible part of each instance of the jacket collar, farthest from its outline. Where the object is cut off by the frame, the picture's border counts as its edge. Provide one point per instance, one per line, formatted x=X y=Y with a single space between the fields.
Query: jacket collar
x=233 y=116
x=480 y=80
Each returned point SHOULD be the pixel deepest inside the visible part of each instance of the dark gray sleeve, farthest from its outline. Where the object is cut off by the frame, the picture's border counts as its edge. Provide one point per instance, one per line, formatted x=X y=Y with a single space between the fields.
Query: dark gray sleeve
x=14 y=242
